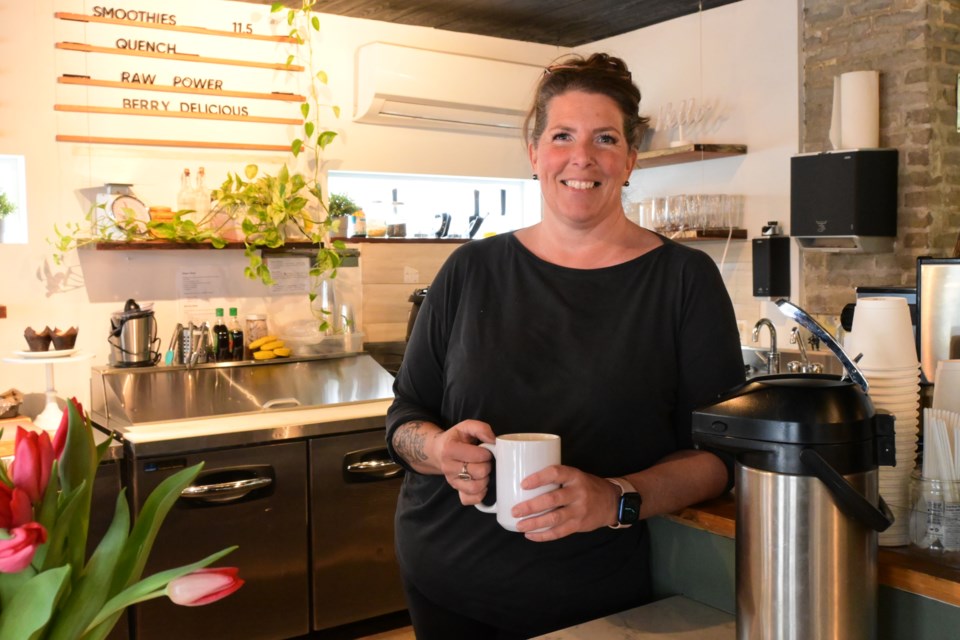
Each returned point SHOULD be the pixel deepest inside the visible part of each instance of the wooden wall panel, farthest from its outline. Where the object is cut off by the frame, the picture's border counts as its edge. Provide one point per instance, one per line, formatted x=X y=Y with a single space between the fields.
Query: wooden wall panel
x=390 y=272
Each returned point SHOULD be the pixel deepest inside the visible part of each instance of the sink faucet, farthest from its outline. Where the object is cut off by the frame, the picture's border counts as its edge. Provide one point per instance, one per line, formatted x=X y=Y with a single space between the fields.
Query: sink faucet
x=773 y=357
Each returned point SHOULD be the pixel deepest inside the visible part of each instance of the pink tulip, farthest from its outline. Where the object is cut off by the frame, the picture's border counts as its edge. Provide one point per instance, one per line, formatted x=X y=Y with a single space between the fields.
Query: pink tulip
x=60 y=438
x=204 y=586
x=16 y=552
x=15 y=507
x=32 y=462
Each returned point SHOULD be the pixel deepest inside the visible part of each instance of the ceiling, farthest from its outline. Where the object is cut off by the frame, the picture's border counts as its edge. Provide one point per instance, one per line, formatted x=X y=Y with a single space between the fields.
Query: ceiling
x=563 y=23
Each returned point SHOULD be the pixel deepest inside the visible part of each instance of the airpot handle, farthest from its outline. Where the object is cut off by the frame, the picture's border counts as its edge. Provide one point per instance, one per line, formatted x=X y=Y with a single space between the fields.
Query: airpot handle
x=806 y=321
x=848 y=499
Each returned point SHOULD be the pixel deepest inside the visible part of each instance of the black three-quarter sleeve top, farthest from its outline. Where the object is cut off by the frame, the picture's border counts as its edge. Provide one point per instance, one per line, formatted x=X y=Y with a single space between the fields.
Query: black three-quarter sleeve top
x=614 y=360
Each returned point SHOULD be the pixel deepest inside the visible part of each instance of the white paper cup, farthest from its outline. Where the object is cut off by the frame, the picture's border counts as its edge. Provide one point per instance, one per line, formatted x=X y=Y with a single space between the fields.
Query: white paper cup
x=883 y=333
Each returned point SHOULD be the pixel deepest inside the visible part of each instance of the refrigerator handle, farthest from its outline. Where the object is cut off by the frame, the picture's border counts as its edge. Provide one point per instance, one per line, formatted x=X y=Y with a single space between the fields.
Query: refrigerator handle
x=224 y=491
x=369 y=465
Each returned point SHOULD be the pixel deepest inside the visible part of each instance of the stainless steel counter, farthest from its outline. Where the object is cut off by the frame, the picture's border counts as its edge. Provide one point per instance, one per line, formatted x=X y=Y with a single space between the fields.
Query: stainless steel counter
x=165 y=410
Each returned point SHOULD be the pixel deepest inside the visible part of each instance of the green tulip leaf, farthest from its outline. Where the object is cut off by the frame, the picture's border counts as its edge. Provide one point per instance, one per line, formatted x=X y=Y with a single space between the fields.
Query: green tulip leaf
x=138 y=546
x=28 y=612
x=70 y=527
x=89 y=593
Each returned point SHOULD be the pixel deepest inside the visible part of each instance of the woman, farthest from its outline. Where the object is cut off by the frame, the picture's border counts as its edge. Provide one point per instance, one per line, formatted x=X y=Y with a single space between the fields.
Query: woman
x=584 y=325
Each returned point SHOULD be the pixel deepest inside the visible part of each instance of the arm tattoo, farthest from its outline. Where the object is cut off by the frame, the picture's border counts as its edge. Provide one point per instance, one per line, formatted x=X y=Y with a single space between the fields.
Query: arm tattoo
x=408 y=441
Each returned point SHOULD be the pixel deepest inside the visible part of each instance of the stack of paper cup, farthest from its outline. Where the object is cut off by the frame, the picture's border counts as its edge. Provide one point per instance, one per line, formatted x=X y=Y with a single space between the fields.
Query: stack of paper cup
x=883 y=333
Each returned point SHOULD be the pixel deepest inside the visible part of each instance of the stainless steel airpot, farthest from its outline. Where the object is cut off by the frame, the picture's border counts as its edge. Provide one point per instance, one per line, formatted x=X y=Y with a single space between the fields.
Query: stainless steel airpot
x=807 y=448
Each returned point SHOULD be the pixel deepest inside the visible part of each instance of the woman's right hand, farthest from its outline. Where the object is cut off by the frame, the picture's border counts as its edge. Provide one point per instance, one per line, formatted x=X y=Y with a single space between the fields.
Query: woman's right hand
x=453 y=453
x=461 y=460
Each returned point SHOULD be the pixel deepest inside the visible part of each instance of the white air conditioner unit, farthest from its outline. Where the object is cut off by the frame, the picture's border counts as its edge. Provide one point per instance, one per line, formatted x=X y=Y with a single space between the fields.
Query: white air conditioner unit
x=404 y=86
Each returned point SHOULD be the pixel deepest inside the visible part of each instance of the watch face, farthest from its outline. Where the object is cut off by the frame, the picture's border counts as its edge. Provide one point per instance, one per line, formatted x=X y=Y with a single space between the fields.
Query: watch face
x=629 y=508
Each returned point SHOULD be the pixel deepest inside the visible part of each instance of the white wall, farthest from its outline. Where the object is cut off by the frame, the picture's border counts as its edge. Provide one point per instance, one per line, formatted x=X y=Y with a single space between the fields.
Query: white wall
x=748 y=60
x=743 y=57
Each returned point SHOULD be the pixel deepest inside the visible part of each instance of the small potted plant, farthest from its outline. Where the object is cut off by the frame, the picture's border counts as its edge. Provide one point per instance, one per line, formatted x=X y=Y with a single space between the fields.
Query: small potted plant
x=339 y=209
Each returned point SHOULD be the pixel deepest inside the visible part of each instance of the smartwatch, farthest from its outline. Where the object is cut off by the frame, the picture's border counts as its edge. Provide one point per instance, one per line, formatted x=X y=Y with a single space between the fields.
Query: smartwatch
x=628 y=507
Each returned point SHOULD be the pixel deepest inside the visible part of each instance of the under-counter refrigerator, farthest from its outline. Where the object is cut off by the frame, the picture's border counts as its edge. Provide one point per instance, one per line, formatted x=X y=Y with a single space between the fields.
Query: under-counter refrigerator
x=265 y=514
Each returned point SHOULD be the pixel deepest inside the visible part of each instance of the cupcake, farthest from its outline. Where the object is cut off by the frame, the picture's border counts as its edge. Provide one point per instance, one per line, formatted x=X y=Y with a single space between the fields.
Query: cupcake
x=38 y=341
x=64 y=339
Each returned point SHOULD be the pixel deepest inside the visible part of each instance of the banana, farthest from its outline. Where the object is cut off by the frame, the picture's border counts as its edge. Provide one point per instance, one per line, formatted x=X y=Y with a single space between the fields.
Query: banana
x=282 y=352
x=270 y=346
x=264 y=355
x=259 y=342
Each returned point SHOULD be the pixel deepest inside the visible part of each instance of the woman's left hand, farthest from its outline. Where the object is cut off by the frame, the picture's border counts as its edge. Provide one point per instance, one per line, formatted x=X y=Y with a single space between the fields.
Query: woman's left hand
x=583 y=502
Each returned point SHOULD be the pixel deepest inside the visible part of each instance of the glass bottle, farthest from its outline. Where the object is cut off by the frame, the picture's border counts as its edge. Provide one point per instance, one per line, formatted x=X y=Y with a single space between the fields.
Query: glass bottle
x=221 y=339
x=185 y=197
x=201 y=198
x=236 y=336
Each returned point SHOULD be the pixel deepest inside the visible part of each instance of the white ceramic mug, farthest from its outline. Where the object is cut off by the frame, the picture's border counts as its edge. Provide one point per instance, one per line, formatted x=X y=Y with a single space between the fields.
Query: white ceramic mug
x=519 y=455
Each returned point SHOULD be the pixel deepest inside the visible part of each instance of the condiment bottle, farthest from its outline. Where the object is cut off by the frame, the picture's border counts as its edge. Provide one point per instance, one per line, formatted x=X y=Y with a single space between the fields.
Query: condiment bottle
x=236 y=336
x=221 y=339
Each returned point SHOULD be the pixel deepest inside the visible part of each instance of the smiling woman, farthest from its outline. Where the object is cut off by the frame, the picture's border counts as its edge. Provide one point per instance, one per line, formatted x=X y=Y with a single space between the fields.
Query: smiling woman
x=583 y=325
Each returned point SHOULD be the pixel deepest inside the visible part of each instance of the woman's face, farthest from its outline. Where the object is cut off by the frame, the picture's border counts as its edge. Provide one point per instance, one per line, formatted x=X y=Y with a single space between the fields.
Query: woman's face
x=582 y=158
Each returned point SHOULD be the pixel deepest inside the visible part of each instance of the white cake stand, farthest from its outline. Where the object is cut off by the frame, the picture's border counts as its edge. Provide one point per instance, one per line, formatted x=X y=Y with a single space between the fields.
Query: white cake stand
x=49 y=418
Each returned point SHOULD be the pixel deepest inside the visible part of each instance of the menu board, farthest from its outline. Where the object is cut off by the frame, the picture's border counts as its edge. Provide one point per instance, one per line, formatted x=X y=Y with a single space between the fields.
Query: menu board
x=149 y=75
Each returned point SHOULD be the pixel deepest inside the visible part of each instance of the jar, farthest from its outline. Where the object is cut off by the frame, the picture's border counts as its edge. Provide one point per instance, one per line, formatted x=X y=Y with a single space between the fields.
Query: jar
x=935 y=516
x=256 y=328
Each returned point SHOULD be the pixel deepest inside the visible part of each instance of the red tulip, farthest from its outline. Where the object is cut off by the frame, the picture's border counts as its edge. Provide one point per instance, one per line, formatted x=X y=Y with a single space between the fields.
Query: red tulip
x=32 y=462
x=60 y=438
x=204 y=586
x=15 y=507
x=16 y=551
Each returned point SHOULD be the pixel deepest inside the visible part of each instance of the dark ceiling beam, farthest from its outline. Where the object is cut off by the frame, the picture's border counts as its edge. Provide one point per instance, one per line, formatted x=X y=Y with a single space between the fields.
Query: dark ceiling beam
x=562 y=23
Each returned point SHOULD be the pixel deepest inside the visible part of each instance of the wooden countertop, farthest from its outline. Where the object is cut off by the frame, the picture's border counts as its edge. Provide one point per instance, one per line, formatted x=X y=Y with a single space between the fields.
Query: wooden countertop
x=903 y=568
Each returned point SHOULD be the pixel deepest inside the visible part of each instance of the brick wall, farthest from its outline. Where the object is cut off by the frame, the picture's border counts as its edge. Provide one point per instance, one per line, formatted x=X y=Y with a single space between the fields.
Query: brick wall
x=915 y=44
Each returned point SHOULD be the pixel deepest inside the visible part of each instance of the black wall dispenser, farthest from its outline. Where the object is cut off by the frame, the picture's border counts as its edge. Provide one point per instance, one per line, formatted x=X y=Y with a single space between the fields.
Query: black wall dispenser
x=771 y=263
x=844 y=200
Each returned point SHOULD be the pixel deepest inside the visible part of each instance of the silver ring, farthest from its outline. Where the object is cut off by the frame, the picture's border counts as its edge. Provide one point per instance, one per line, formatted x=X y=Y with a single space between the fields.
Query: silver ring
x=463 y=475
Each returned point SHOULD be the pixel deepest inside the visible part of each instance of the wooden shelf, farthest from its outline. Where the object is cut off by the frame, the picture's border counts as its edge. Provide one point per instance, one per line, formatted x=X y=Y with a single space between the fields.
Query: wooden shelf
x=688 y=153
x=79 y=17
x=157 y=113
x=167 y=245
x=183 y=57
x=195 y=144
x=709 y=235
x=139 y=86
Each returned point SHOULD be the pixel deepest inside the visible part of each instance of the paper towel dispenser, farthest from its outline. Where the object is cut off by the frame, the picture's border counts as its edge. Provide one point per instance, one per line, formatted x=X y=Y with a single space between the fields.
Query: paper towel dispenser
x=844 y=200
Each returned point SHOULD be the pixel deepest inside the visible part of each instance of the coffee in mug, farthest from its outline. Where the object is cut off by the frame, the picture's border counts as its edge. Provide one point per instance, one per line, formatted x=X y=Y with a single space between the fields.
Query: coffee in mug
x=517 y=456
